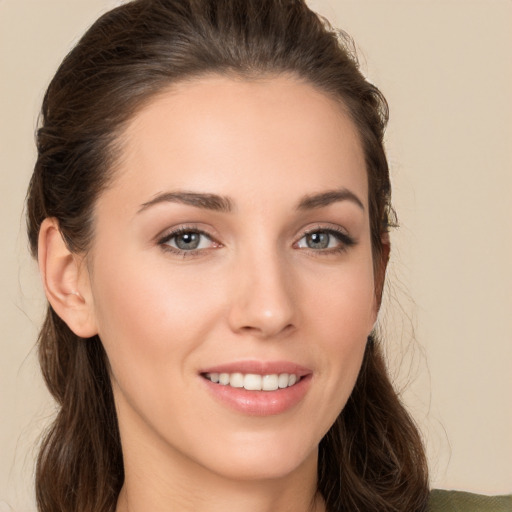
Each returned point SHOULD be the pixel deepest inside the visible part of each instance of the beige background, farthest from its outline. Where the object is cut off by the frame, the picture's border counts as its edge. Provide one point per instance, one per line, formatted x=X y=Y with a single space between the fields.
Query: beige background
x=445 y=68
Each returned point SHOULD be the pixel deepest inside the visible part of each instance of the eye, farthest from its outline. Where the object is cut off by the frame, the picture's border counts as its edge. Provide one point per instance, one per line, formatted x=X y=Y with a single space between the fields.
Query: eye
x=329 y=240
x=185 y=240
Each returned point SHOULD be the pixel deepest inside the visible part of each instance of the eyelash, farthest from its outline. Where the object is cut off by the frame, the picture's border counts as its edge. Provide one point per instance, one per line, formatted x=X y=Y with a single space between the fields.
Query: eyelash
x=163 y=242
x=346 y=241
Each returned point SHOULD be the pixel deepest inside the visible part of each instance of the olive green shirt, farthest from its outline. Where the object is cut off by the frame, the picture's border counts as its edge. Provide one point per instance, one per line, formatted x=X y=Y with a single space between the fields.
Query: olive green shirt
x=457 y=501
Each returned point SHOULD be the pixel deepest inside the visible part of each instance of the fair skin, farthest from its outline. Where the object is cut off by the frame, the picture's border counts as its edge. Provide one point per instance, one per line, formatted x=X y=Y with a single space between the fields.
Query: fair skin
x=271 y=274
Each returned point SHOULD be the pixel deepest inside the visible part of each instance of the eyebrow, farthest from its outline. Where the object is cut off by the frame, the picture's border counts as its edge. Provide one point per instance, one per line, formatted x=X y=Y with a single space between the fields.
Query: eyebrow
x=224 y=204
x=323 y=199
x=199 y=200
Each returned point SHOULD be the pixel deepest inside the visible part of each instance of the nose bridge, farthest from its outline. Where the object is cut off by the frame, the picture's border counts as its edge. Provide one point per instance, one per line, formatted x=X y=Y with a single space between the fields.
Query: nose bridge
x=262 y=299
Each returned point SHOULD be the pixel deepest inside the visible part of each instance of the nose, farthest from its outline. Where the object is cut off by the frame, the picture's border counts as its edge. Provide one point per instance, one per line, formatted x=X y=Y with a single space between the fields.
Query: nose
x=263 y=301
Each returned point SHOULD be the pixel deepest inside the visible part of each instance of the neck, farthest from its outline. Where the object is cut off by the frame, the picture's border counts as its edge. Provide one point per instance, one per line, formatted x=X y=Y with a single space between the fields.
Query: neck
x=255 y=497
x=161 y=483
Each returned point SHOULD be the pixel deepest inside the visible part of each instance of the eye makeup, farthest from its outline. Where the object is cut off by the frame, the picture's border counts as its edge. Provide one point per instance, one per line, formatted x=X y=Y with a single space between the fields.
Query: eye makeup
x=323 y=240
x=187 y=241
x=190 y=241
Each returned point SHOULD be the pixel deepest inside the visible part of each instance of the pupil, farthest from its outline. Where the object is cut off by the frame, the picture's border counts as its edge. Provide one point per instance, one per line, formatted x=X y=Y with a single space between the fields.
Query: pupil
x=187 y=241
x=318 y=240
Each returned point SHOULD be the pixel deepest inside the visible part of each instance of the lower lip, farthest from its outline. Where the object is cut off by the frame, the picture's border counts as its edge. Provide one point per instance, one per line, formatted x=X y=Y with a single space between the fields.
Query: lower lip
x=260 y=403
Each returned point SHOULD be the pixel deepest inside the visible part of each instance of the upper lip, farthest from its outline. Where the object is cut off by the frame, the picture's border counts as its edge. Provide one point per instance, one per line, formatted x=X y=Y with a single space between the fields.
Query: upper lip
x=259 y=368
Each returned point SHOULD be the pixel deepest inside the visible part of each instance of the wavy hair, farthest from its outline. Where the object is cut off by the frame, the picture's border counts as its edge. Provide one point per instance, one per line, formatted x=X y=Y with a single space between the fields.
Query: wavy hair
x=372 y=458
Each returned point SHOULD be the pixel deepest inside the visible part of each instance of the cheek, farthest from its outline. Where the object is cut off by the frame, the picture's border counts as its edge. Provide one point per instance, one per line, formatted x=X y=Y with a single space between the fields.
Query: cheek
x=147 y=319
x=342 y=317
x=342 y=303
x=151 y=324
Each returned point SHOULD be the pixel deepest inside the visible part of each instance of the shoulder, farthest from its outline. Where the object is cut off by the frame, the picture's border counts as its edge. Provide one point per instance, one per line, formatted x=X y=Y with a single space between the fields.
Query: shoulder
x=458 y=501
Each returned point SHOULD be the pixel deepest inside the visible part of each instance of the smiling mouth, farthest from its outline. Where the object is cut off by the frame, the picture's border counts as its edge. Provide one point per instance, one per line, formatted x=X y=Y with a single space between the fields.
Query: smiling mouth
x=253 y=381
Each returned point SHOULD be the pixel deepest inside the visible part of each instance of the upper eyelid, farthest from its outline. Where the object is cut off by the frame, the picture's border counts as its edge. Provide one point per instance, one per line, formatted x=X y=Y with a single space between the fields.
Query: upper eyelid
x=327 y=227
x=184 y=228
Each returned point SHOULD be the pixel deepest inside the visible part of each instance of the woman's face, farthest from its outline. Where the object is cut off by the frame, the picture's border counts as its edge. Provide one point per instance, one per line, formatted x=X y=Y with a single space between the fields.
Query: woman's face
x=234 y=245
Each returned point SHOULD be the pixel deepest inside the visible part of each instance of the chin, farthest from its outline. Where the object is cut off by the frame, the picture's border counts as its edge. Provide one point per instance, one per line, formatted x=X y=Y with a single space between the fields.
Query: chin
x=264 y=461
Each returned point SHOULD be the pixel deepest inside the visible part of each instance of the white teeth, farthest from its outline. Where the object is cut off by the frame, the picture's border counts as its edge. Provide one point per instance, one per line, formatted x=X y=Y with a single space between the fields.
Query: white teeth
x=270 y=382
x=283 y=380
x=236 y=380
x=253 y=381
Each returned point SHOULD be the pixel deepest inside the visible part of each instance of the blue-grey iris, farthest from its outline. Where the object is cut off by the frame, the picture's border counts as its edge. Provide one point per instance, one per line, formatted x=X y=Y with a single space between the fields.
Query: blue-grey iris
x=188 y=241
x=318 y=240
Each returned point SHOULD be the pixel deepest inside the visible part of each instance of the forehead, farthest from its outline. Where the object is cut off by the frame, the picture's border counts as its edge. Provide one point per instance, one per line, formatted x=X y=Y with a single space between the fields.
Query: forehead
x=241 y=138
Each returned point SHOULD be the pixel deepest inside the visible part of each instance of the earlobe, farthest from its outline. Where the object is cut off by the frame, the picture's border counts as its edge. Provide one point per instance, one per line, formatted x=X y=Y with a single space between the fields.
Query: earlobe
x=65 y=280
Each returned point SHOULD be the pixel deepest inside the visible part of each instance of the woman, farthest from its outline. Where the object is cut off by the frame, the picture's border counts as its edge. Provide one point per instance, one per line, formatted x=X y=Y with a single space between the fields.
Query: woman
x=210 y=210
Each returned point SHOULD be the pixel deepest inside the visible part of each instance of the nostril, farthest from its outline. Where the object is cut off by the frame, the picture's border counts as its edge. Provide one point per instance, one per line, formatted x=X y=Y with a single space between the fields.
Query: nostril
x=262 y=305
x=267 y=331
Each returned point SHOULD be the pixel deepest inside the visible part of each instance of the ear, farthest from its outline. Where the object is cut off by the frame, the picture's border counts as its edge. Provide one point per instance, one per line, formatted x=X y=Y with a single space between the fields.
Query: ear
x=65 y=280
x=380 y=271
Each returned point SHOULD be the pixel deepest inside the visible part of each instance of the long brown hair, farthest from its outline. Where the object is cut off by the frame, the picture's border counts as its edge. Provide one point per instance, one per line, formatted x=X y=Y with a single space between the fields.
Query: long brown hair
x=372 y=458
